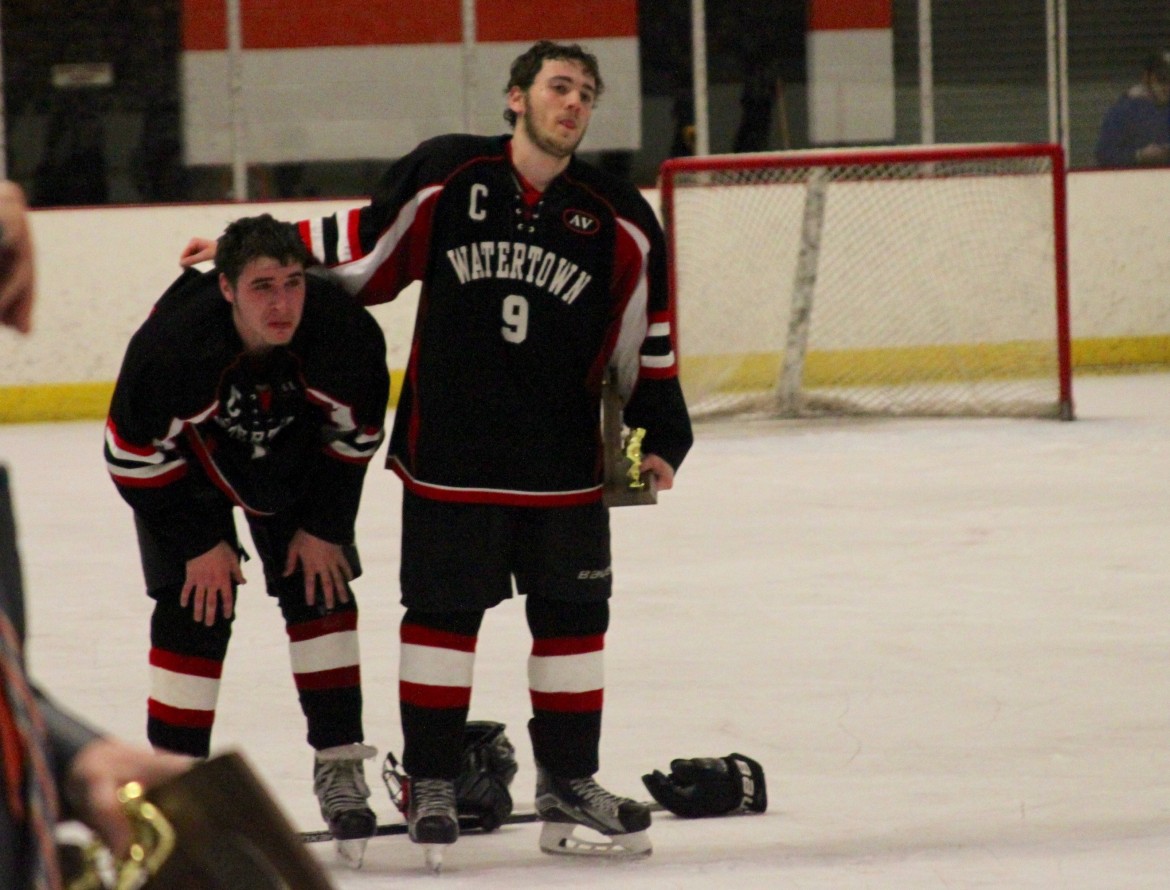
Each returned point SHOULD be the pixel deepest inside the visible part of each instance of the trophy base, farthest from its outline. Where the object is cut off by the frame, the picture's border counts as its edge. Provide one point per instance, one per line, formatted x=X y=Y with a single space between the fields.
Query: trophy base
x=619 y=493
x=229 y=834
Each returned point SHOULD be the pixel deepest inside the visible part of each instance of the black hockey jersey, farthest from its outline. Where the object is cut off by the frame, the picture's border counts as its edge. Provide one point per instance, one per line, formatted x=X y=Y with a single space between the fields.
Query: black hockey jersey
x=196 y=423
x=526 y=299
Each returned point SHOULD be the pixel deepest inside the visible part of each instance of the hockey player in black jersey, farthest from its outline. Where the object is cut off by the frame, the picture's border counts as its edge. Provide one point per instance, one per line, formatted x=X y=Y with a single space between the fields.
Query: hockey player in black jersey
x=540 y=274
x=261 y=387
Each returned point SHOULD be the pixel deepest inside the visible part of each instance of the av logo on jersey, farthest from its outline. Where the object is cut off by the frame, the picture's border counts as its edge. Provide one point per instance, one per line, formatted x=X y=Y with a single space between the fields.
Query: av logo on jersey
x=581 y=222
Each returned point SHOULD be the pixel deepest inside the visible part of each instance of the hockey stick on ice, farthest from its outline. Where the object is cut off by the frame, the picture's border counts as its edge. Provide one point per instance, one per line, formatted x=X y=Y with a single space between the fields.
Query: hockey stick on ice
x=465 y=825
x=391 y=828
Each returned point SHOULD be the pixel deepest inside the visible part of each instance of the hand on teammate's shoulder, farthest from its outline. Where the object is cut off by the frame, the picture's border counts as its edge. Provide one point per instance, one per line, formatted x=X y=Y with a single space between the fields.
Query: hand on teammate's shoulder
x=17 y=263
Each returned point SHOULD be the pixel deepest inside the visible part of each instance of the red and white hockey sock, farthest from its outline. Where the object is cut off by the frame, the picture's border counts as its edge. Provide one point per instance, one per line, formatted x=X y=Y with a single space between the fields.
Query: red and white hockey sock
x=180 y=711
x=435 y=671
x=566 y=680
x=326 y=667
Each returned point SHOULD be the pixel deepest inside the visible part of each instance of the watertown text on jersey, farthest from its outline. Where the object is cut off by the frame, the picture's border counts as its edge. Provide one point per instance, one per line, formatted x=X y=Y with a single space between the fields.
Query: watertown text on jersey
x=518 y=261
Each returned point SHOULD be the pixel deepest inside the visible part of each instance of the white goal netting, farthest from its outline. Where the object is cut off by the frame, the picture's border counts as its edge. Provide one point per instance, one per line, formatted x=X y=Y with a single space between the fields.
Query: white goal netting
x=910 y=281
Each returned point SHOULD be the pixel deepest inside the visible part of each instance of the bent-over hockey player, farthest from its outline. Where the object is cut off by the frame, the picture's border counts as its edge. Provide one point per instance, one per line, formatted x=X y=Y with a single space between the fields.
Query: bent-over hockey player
x=261 y=387
x=539 y=274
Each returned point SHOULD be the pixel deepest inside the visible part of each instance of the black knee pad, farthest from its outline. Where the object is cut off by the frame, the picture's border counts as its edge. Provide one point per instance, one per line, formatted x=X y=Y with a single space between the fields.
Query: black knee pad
x=548 y=619
x=173 y=627
x=295 y=610
x=465 y=623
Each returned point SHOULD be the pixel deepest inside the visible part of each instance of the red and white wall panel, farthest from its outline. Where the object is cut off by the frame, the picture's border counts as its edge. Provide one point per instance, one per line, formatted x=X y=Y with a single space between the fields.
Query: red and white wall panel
x=850 y=71
x=333 y=80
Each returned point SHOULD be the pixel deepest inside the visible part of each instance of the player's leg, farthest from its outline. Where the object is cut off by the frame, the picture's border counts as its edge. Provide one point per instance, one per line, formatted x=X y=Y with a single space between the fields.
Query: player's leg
x=453 y=567
x=436 y=663
x=186 y=663
x=566 y=682
x=323 y=650
x=326 y=668
x=186 y=656
x=566 y=576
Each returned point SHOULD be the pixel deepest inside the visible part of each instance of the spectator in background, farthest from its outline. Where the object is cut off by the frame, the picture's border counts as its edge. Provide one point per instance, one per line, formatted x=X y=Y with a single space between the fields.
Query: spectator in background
x=1136 y=128
x=757 y=100
x=157 y=168
x=72 y=170
x=683 y=113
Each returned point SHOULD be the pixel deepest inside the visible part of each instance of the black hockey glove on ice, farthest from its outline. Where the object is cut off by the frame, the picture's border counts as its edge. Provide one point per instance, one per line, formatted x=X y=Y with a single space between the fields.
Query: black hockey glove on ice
x=710 y=786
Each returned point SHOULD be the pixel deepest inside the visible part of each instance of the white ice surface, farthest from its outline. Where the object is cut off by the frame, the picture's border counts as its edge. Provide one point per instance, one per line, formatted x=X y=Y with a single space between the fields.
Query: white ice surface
x=948 y=642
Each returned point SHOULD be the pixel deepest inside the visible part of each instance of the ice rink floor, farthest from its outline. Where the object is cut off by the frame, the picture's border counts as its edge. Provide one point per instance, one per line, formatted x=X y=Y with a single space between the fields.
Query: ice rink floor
x=947 y=641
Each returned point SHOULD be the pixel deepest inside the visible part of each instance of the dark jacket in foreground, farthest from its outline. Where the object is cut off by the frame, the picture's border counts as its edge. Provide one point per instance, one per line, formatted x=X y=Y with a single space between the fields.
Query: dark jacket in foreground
x=66 y=735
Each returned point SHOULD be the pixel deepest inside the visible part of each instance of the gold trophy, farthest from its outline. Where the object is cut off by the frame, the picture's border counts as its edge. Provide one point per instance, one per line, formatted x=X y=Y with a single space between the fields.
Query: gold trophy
x=625 y=486
x=215 y=827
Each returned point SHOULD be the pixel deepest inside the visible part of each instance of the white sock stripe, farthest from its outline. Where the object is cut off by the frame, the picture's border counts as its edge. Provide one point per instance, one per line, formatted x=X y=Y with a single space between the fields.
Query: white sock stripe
x=658 y=361
x=435 y=666
x=335 y=650
x=566 y=673
x=659 y=329
x=183 y=690
x=316 y=234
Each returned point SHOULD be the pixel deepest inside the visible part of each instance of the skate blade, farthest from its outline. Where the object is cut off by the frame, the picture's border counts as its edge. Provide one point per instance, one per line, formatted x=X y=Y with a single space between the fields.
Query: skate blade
x=352 y=852
x=434 y=856
x=558 y=838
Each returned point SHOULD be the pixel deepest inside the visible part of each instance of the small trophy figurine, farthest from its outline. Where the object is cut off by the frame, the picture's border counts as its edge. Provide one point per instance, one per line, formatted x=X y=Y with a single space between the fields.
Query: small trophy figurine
x=625 y=485
x=634 y=456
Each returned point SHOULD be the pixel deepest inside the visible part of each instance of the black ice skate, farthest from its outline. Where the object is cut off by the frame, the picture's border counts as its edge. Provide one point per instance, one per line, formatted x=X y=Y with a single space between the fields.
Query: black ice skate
x=565 y=804
x=431 y=817
x=340 y=785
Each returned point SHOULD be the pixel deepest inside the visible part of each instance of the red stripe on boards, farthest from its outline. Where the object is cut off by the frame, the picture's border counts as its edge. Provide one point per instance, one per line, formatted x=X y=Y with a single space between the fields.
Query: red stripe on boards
x=530 y=20
x=297 y=24
x=191 y=665
x=848 y=15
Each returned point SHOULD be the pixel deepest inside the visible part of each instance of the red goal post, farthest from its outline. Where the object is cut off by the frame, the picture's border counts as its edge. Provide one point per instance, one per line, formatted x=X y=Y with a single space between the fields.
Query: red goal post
x=919 y=281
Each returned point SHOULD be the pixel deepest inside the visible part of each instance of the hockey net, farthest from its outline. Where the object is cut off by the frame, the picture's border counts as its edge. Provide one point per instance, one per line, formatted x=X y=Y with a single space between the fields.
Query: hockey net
x=921 y=281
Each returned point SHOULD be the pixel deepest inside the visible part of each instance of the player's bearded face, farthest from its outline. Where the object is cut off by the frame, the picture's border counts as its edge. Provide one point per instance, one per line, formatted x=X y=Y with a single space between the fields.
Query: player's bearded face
x=267 y=301
x=556 y=109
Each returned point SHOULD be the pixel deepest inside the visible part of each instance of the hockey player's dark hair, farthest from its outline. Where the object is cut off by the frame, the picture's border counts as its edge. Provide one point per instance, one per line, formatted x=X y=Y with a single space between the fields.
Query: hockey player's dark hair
x=527 y=65
x=253 y=237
